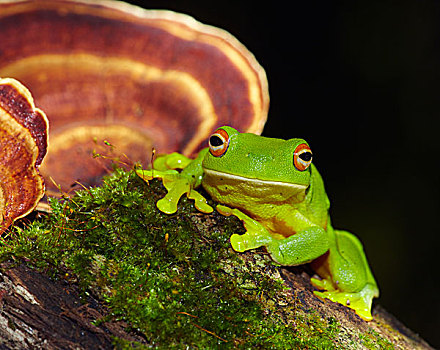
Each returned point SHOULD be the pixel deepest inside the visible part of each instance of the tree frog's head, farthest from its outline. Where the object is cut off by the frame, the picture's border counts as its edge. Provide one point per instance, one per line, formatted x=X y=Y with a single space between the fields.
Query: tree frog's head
x=256 y=157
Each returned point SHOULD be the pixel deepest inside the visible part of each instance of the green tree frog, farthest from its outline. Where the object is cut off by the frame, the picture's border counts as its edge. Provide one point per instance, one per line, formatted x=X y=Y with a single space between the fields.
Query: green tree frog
x=272 y=186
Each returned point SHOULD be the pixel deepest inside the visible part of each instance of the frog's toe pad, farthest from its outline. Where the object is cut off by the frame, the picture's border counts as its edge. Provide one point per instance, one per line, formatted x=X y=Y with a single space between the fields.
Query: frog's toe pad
x=247 y=241
x=359 y=302
x=239 y=243
x=322 y=284
x=167 y=205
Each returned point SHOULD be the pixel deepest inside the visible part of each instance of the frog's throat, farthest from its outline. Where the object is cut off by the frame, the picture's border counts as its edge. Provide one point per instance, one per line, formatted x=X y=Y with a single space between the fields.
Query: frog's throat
x=257 y=182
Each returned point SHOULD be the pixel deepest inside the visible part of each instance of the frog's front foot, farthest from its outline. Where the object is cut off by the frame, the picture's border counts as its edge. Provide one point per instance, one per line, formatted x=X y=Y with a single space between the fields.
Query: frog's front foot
x=176 y=186
x=256 y=234
x=358 y=301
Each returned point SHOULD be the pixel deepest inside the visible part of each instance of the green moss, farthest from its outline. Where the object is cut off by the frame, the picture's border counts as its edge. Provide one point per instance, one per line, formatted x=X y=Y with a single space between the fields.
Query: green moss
x=173 y=278
x=372 y=340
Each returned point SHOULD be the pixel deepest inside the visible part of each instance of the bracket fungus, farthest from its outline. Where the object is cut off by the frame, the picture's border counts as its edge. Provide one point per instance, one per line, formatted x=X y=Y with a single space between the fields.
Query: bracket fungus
x=106 y=70
x=23 y=144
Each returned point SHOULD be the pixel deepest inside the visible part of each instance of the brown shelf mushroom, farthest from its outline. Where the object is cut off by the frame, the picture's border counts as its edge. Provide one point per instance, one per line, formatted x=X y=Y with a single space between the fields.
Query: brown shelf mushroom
x=106 y=70
x=23 y=144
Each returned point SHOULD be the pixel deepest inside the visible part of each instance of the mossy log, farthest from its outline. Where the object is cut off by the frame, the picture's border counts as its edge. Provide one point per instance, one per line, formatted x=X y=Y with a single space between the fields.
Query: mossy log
x=58 y=293
x=41 y=313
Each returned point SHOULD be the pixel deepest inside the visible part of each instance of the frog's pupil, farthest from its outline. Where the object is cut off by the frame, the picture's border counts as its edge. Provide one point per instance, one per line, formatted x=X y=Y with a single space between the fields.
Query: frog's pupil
x=215 y=141
x=306 y=156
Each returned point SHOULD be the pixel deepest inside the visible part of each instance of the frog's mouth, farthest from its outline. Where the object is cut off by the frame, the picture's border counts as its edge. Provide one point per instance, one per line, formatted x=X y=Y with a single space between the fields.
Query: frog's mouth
x=256 y=183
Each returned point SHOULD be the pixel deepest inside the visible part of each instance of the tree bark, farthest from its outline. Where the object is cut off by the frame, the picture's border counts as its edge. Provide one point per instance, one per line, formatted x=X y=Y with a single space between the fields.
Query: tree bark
x=41 y=313
x=38 y=312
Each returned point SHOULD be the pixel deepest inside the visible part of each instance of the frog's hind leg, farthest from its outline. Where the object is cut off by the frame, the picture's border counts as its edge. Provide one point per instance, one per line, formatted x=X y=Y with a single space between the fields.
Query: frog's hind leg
x=347 y=278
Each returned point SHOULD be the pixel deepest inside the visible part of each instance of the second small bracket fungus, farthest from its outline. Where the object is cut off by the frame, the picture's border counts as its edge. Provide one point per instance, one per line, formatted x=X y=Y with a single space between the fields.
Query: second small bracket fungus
x=23 y=145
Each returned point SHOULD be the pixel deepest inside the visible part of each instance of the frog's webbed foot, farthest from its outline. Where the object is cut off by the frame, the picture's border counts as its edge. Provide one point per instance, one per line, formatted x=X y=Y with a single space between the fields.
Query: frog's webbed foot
x=358 y=301
x=256 y=234
x=176 y=185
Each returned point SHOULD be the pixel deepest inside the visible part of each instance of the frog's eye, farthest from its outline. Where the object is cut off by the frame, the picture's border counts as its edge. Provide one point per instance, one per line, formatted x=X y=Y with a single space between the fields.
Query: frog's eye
x=218 y=143
x=302 y=157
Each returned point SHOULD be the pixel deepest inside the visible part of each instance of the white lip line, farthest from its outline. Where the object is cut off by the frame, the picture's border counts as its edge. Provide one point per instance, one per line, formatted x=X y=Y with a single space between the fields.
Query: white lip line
x=257 y=181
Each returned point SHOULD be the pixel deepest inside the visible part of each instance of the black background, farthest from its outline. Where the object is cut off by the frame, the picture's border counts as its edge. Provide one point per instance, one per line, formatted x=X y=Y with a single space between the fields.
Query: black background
x=360 y=81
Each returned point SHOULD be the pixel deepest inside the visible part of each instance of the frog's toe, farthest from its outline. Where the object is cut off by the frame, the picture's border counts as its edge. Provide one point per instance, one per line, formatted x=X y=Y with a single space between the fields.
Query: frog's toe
x=167 y=205
x=200 y=202
x=224 y=210
x=323 y=284
x=241 y=243
x=145 y=175
x=237 y=243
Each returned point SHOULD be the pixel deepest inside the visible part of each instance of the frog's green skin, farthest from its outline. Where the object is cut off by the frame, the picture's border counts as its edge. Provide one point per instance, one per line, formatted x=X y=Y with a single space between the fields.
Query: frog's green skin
x=283 y=208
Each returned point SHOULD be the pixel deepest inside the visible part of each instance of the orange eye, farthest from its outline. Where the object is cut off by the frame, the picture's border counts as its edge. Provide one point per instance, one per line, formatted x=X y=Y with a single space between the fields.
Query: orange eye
x=302 y=157
x=218 y=143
